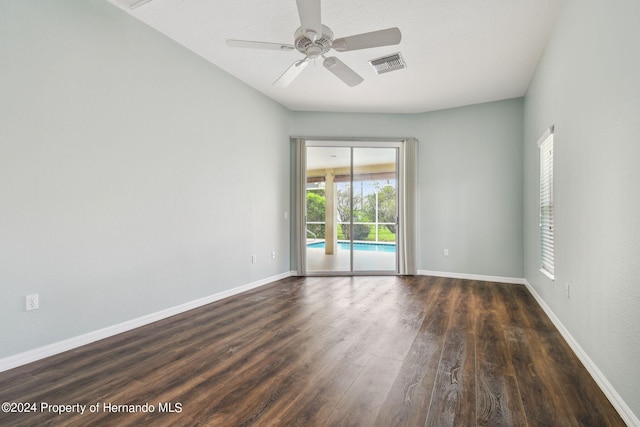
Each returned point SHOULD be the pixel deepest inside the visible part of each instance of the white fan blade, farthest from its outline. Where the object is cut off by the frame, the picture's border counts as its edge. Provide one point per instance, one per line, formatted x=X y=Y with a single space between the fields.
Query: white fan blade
x=292 y=72
x=342 y=71
x=387 y=37
x=309 y=12
x=259 y=45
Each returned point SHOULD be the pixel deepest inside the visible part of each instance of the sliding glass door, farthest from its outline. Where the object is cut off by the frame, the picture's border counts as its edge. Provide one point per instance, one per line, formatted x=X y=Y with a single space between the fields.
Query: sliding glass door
x=328 y=169
x=351 y=215
x=374 y=202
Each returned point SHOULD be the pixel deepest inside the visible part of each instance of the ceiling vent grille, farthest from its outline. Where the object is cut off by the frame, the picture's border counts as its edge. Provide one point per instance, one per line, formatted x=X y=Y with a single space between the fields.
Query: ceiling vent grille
x=388 y=63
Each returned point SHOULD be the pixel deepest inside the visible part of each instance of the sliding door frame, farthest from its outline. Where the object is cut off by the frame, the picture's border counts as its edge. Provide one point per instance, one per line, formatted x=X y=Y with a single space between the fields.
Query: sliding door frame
x=406 y=200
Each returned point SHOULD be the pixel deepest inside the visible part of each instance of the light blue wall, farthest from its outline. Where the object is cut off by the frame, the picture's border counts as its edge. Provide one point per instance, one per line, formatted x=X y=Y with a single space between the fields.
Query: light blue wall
x=471 y=197
x=470 y=180
x=134 y=176
x=588 y=85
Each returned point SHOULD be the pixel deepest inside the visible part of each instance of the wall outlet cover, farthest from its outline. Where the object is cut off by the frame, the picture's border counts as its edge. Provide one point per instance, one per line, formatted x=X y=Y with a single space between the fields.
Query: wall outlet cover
x=32 y=302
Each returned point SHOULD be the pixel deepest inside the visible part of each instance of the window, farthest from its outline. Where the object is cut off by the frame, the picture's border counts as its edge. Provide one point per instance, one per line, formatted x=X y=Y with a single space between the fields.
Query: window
x=546 y=204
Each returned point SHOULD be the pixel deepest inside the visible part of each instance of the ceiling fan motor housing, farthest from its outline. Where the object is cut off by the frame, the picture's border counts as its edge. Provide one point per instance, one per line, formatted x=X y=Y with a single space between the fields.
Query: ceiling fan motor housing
x=314 y=49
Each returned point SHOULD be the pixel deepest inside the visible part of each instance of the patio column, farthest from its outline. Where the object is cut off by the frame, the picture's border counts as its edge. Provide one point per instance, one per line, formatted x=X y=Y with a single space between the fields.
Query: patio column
x=330 y=226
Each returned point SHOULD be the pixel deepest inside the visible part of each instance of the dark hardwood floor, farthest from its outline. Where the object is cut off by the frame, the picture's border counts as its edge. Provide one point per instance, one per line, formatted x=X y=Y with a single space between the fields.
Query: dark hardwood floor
x=361 y=351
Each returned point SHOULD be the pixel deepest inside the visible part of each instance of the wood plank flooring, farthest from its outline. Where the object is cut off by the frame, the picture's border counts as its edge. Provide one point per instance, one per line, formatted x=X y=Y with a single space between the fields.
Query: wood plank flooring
x=343 y=351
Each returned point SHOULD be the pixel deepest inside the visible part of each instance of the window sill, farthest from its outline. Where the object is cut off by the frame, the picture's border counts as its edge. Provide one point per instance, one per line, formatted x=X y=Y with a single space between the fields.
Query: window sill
x=546 y=273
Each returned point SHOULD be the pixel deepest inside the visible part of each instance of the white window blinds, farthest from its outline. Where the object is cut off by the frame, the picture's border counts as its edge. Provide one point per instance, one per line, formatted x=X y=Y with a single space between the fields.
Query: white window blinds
x=546 y=204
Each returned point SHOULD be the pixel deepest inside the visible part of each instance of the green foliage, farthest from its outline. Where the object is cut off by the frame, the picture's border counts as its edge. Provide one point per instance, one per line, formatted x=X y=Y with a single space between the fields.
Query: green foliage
x=386 y=206
x=384 y=234
x=360 y=231
x=316 y=205
x=364 y=211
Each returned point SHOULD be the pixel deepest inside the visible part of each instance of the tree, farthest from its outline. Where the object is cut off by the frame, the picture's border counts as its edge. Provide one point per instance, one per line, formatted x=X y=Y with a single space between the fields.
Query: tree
x=386 y=206
x=316 y=206
x=343 y=202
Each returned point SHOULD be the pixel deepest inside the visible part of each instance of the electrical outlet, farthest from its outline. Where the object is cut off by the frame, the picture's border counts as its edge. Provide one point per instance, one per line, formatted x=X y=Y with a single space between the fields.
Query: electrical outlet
x=273 y=255
x=445 y=252
x=32 y=302
x=254 y=259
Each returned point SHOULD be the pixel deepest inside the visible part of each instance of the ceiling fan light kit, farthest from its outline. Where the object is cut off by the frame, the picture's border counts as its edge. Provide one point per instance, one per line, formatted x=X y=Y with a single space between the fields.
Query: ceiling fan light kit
x=314 y=40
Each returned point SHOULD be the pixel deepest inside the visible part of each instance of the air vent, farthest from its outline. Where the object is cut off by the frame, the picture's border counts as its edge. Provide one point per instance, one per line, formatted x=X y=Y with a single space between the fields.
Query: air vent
x=388 y=63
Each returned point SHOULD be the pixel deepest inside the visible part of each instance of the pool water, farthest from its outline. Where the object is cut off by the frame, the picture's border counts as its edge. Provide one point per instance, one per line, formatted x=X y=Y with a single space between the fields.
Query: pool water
x=360 y=246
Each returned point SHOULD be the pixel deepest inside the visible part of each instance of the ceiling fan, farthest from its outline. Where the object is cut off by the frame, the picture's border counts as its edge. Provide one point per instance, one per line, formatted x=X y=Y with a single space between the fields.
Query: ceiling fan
x=314 y=40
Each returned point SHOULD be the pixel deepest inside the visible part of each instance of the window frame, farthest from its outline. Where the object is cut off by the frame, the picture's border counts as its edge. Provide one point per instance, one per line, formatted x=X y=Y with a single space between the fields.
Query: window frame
x=547 y=204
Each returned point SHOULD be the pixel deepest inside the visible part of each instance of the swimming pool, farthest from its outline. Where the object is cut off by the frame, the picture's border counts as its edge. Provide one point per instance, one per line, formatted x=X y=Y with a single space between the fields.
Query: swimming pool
x=360 y=246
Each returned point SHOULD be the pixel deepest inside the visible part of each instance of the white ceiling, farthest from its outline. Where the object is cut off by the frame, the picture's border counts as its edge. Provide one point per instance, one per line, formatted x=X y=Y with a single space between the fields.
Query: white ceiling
x=458 y=52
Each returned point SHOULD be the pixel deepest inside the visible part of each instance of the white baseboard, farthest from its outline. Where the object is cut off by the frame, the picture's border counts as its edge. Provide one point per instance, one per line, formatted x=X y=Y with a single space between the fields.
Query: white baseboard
x=498 y=279
x=80 y=340
x=623 y=409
